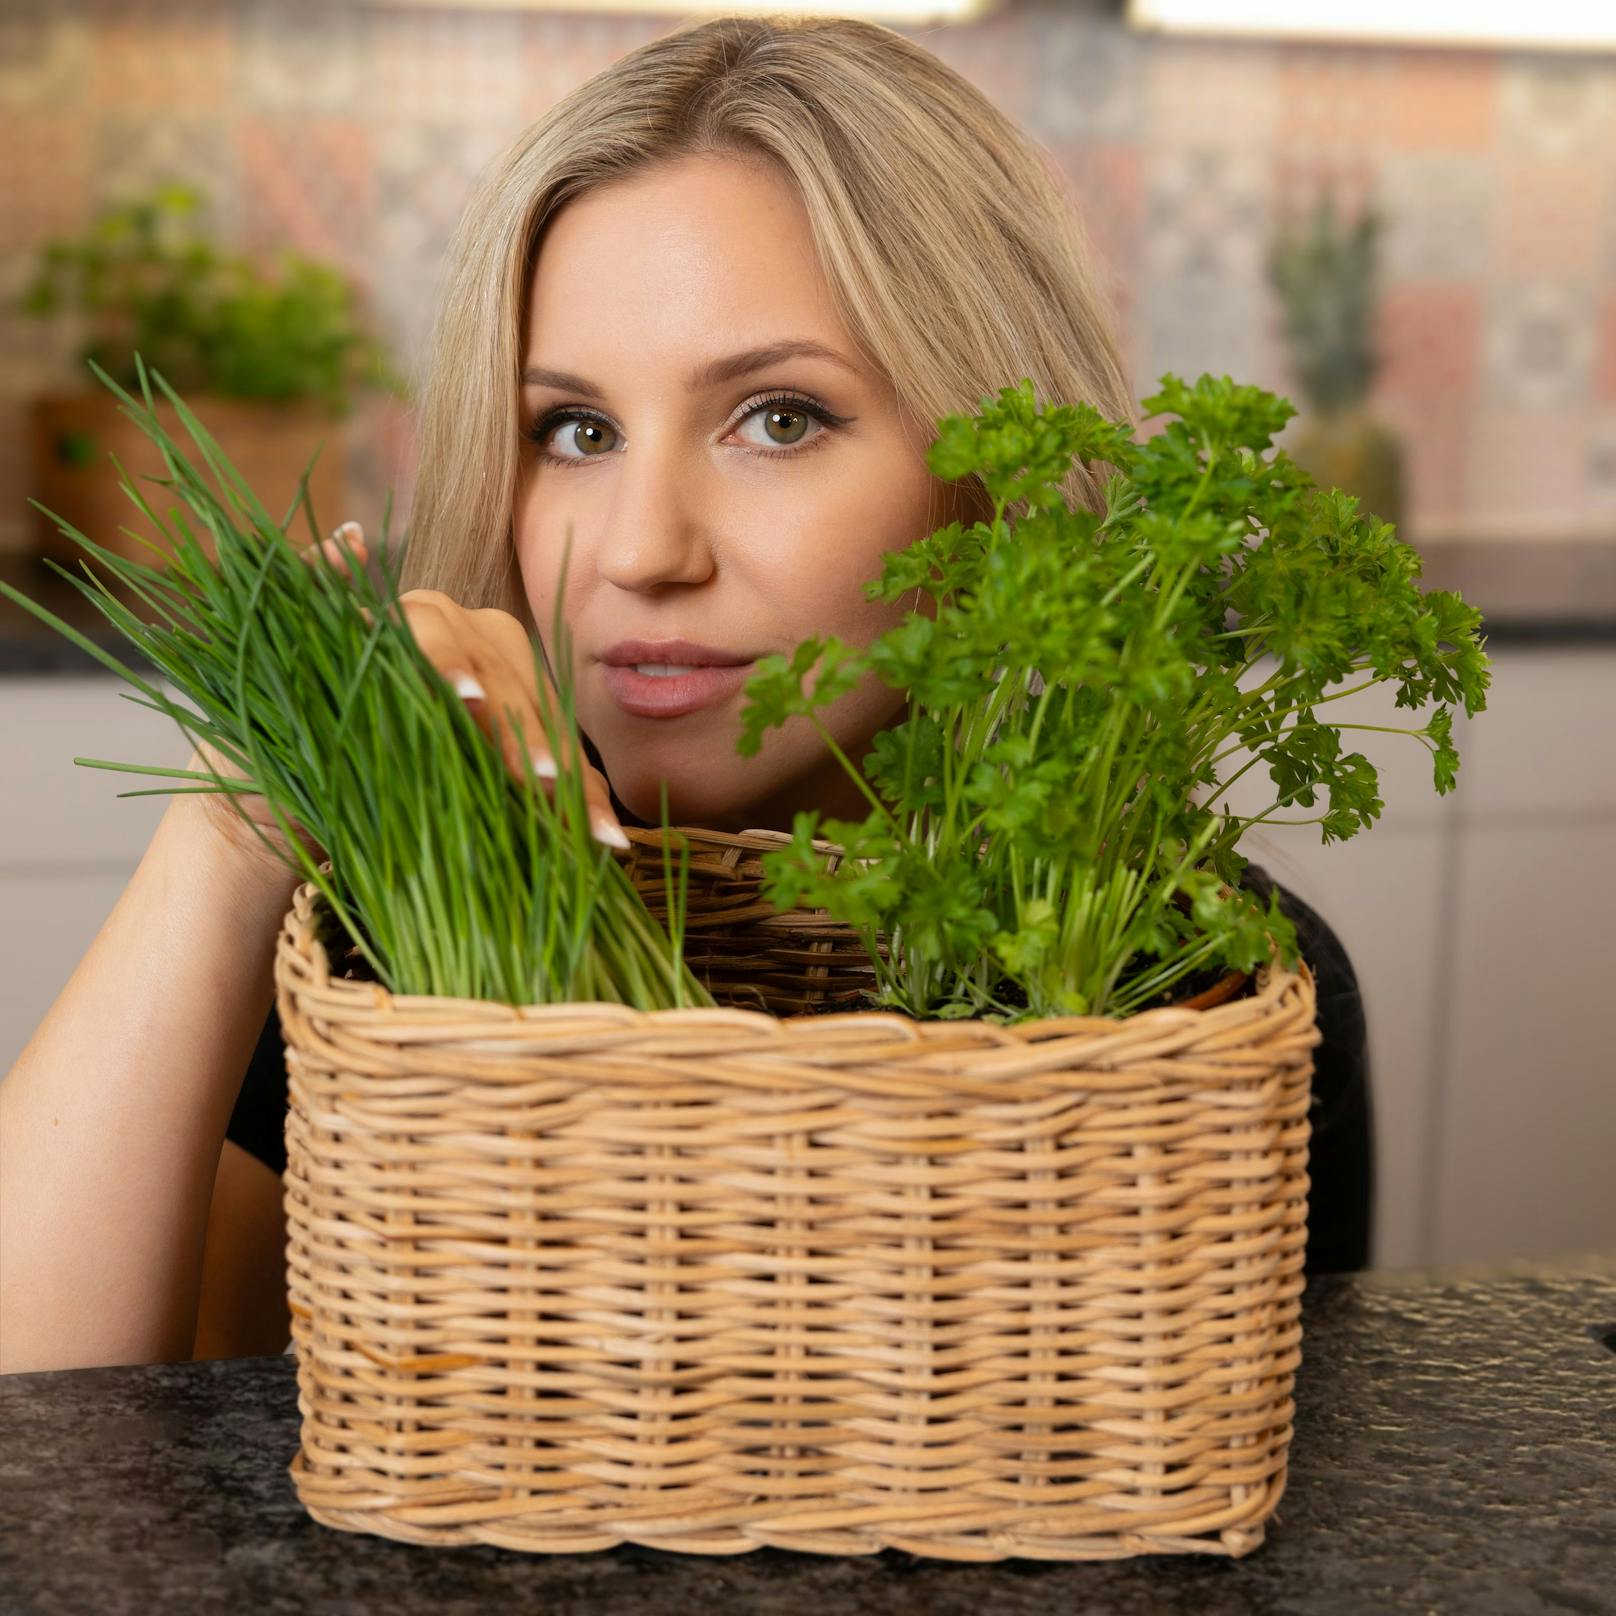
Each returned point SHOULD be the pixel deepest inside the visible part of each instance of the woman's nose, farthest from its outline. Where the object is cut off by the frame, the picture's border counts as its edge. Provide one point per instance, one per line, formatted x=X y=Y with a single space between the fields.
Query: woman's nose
x=658 y=528
x=665 y=550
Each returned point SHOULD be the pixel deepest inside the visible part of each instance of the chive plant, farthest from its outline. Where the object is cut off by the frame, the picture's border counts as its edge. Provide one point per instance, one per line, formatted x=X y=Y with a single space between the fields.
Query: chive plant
x=449 y=875
x=1034 y=846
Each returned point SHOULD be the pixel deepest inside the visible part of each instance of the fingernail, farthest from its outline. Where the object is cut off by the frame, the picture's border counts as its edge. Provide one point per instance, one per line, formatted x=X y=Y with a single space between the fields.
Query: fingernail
x=544 y=766
x=468 y=687
x=352 y=529
x=609 y=832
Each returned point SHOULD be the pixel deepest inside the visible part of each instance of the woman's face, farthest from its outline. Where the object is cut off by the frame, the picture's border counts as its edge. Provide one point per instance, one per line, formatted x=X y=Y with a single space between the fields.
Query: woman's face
x=698 y=509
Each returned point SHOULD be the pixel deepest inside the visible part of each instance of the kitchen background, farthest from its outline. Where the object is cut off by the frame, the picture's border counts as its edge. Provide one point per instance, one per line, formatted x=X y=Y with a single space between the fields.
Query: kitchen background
x=1479 y=922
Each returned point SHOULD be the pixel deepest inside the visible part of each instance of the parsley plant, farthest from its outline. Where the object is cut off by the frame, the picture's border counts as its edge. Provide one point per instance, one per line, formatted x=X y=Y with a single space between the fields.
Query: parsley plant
x=1032 y=847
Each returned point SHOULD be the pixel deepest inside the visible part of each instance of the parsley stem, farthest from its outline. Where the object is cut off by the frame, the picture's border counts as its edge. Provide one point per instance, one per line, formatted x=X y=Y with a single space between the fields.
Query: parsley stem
x=1147 y=987
x=856 y=775
x=1142 y=565
x=1392 y=729
x=1296 y=707
x=1263 y=818
x=1166 y=603
x=1296 y=729
x=1256 y=758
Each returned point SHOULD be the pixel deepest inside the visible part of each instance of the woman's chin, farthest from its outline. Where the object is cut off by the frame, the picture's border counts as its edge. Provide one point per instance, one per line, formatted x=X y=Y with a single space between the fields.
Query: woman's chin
x=706 y=804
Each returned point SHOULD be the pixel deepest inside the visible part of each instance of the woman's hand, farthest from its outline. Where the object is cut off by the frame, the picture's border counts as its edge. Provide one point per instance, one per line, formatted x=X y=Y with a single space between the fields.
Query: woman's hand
x=487 y=658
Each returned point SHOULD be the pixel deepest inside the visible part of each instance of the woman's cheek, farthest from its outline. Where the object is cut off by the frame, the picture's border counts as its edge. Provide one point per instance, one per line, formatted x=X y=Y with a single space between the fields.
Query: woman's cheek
x=855 y=718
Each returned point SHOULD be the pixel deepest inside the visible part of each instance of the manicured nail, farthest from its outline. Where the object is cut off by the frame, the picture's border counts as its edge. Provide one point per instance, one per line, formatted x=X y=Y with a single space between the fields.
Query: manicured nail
x=544 y=766
x=351 y=530
x=468 y=687
x=609 y=832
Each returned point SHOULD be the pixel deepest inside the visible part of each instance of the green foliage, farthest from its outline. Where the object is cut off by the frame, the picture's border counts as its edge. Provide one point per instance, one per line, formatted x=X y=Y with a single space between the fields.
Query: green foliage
x=208 y=321
x=1324 y=270
x=452 y=877
x=1033 y=845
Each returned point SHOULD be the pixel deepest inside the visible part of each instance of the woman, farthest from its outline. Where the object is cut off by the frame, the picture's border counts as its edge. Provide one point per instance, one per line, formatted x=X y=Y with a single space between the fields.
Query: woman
x=703 y=317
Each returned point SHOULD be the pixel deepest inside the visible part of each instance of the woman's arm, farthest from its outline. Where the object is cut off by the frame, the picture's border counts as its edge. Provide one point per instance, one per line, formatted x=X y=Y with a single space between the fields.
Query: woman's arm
x=242 y=1309
x=113 y=1117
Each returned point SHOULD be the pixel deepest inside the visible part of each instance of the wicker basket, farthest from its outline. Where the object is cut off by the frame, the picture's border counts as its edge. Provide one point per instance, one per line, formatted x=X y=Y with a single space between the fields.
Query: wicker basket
x=568 y=1276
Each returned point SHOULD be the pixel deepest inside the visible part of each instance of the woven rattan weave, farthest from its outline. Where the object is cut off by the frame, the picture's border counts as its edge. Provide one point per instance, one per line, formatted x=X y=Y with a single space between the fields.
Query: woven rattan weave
x=568 y=1276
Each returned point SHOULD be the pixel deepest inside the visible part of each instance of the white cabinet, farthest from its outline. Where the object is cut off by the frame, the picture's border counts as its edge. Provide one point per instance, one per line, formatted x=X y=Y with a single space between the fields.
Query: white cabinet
x=68 y=844
x=1480 y=925
x=1527 y=1125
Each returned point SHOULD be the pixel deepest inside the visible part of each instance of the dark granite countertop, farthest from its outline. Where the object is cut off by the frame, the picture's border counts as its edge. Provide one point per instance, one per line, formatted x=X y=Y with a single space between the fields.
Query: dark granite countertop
x=1454 y=1451
x=1534 y=592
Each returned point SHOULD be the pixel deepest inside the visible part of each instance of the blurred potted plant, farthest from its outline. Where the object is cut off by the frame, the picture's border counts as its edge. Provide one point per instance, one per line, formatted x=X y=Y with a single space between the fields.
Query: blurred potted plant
x=1324 y=269
x=274 y=359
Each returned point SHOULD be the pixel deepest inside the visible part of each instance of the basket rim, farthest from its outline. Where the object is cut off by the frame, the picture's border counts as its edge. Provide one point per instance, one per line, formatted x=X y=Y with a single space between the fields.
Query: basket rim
x=1269 y=989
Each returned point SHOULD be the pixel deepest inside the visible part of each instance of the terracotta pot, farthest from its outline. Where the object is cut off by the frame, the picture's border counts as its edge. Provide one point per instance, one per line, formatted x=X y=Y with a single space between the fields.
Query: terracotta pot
x=73 y=434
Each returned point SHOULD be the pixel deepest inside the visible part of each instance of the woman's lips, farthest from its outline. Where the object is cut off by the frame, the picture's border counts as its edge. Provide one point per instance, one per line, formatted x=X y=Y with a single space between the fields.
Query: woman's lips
x=671 y=695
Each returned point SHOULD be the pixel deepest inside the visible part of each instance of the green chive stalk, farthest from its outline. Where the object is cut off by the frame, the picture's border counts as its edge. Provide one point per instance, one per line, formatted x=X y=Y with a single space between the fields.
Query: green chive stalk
x=449 y=876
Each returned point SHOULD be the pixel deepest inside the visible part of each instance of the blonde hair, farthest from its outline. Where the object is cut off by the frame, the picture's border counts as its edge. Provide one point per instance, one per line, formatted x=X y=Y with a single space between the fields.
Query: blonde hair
x=953 y=256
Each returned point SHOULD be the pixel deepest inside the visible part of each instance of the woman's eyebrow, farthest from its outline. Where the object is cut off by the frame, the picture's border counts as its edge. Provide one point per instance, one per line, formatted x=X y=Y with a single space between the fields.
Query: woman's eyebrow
x=711 y=374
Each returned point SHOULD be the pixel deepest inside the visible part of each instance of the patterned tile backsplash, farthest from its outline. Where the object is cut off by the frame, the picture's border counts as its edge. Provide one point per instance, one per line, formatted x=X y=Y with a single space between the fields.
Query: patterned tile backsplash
x=351 y=133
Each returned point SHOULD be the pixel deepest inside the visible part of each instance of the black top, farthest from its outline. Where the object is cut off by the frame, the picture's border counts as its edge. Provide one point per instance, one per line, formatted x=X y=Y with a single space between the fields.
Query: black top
x=1341 y=1159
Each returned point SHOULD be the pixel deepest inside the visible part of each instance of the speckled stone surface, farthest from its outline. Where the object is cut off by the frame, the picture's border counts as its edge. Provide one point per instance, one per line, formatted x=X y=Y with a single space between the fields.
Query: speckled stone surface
x=1455 y=1451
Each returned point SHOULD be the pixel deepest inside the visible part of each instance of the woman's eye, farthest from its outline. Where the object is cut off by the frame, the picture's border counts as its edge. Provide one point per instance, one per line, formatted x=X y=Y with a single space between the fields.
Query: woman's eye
x=583 y=433
x=784 y=424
